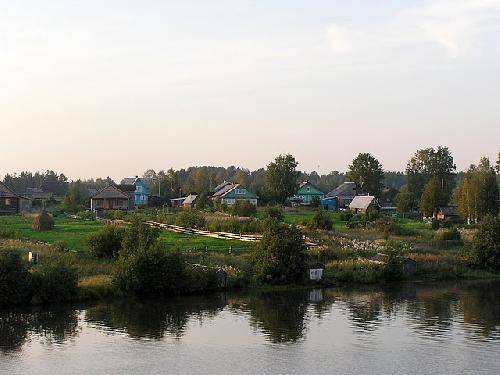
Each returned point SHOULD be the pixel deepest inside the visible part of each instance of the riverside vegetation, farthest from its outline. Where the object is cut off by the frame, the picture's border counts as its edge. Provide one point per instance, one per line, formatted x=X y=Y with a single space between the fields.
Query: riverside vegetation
x=82 y=258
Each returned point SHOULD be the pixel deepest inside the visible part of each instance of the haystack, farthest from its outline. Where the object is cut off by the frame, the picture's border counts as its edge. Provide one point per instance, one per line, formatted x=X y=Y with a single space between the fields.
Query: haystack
x=42 y=222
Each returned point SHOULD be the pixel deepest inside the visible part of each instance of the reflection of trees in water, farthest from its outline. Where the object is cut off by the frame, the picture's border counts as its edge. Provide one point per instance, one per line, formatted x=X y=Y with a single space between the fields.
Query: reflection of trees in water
x=480 y=305
x=55 y=325
x=153 y=318
x=280 y=315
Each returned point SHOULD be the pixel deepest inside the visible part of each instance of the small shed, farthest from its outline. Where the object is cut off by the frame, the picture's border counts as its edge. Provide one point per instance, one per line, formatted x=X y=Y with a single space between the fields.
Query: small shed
x=362 y=203
x=221 y=278
x=177 y=202
x=315 y=271
x=189 y=201
x=330 y=203
x=409 y=266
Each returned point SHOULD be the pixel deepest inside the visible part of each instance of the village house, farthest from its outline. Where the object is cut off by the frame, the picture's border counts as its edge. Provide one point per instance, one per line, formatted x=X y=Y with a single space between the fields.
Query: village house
x=361 y=204
x=12 y=203
x=142 y=191
x=307 y=193
x=110 y=198
x=447 y=213
x=177 y=202
x=189 y=201
x=340 y=197
x=229 y=193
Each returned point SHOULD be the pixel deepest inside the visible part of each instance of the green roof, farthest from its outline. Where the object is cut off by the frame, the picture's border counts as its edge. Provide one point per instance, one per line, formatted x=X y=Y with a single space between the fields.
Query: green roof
x=306 y=188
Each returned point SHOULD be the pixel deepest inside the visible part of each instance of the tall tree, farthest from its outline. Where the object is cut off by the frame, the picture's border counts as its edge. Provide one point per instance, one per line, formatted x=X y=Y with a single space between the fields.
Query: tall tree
x=477 y=194
x=430 y=163
x=404 y=200
x=367 y=173
x=282 y=178
x=430 y=198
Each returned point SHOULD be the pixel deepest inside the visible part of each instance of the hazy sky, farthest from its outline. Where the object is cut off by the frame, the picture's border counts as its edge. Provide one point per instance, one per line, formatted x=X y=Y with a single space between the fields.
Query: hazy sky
x=98 y=88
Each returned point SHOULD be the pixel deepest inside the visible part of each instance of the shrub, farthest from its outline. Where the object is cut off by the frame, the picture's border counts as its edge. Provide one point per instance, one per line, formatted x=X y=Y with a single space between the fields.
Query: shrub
x=191 y=219
x=447 y=235
x=115 y=214
x=43 y=222
x=435 y=224
x=150 y=271
x=486 y=244
x=139 y=236
x=280 y=256
x=321 y=220
x=9 y=233
x=244 y=208
x=14 y=279
x=107 y=242
x=346 y=215
x=54 y=282
x=274 y=212
x=393 y=268
x=60 y=245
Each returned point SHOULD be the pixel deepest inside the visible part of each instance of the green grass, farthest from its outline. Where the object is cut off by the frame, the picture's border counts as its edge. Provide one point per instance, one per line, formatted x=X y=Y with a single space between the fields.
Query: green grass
x=75 y=232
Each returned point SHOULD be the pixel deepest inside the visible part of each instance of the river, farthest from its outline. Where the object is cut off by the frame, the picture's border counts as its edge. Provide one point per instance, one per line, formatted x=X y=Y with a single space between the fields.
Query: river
x=409 y=329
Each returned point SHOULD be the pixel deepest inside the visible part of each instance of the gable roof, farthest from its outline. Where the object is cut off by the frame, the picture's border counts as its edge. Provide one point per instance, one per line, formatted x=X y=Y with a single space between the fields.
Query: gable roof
x=190 y=199
x=224 y=189
x=313 y=189
x=362 y=202
x=345 y=189
x=134 y=180
x=110 y=192
x=239 y=192
x=5 y=191
x=221 y=185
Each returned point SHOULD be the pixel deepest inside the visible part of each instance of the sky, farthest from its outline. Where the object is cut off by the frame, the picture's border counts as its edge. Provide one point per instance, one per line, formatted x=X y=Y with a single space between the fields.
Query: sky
x=113 y=88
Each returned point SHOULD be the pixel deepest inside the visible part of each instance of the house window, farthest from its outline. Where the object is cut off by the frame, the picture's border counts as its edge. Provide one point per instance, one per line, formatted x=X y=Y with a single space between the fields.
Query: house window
x=240 y=191
x=8 y=202
x=139 y=188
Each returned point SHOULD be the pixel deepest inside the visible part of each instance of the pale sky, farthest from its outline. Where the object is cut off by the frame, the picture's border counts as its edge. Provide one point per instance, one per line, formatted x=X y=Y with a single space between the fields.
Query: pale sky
x=96 y=88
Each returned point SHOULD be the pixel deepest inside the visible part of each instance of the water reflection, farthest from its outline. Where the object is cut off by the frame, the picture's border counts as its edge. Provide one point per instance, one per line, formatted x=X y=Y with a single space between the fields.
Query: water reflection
x=281 y=317
x=49 y=326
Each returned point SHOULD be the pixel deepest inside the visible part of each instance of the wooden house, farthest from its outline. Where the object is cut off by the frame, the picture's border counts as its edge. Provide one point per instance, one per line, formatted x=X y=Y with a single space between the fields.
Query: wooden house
x=361 y=204
x=142 y=190
x=177 y=202
x=9 y=201
x=447 y=213
x=189 y=201
x=340 y=197
x=110 y=198
x=229 y=193
x=307 y=192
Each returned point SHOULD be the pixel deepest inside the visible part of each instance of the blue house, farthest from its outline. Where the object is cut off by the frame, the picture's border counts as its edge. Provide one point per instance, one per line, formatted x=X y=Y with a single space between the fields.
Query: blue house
x=142 y=190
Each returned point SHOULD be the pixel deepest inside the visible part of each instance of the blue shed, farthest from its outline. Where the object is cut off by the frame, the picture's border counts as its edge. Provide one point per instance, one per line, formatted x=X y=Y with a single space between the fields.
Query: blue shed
x=330 y=203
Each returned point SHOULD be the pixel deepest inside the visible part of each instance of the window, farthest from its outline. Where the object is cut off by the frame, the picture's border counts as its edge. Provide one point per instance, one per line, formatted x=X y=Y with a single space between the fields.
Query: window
x=8 y=202
x=240 y=191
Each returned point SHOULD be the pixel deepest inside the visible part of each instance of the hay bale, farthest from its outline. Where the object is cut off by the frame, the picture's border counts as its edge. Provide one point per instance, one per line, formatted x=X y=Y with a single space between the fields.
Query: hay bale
x=42 y=222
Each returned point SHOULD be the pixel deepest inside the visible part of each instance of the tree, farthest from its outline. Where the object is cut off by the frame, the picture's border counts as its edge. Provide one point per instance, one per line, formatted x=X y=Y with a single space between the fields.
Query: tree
x=367 y=173
x=498 y=163
x=430 y=163
x=139 y=236
x=76 y=196
x=280 y=257
x=486 y=244
x=477 y=194
x=404 y=201
x=282 y=178
x=430 y=198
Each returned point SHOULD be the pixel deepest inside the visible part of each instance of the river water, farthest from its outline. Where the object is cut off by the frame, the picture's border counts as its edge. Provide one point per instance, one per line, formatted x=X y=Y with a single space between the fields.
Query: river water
x=451 y=328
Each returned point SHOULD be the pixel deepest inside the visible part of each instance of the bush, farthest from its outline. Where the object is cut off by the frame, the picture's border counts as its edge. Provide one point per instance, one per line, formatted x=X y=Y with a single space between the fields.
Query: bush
x=346 y=215
x=435 y=224
x=321 y=220
x=115 y=214
x=139 y=236
x=43 y=222
x=393 y=268
x=388 y=226
x=486 y=244
x=54 y=282
x=9 y=233
x=279 y=258
x=191 y=219
x=14 y=279
x=447 y=235
x=60 y=245
x=274 y=212
x=107 y=242
x=150 y=271
x=243 y=208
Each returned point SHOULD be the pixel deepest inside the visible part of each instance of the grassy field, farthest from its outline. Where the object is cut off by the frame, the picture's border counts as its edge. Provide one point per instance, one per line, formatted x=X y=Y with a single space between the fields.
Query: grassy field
x=75 y=232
